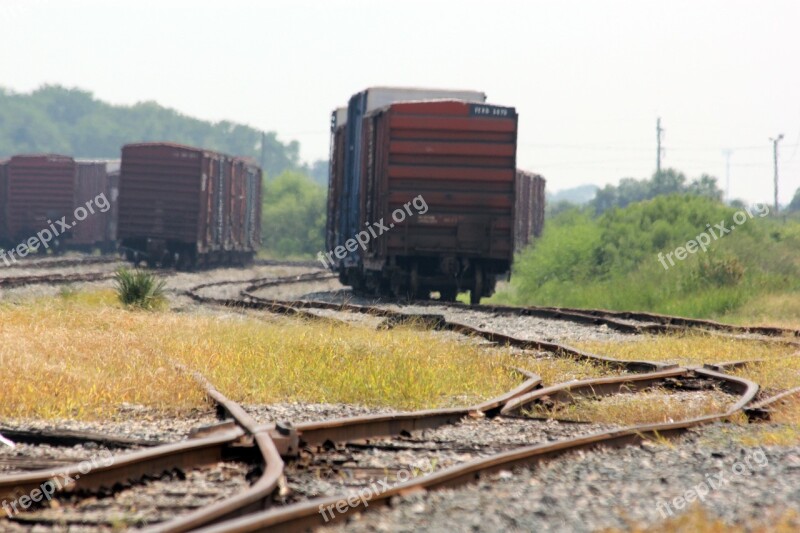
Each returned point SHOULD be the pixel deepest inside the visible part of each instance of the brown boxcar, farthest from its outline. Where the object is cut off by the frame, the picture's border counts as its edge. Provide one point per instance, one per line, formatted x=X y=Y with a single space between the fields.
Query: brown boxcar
x=336 y=175
x=40 y=196
x=181 y=205
x=529 y=209
x=91 y=187
x=458 y=160
x=112 y=171
x=251 y=215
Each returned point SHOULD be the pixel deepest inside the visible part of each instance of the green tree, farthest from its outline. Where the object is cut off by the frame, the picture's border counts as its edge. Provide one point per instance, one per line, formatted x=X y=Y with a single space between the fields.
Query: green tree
x=666 y=182
x=293 y=215
x=72 y=122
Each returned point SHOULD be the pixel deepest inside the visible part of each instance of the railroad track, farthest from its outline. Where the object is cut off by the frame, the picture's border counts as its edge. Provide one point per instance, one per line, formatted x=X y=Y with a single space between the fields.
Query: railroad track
x=646 y=375
x=67 y=262
x=54 y=279
x=333 y=447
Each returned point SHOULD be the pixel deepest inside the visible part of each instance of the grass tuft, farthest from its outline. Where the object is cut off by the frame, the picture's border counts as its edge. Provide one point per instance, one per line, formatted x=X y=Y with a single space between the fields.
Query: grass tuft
x=139 y=289
x=647 y=407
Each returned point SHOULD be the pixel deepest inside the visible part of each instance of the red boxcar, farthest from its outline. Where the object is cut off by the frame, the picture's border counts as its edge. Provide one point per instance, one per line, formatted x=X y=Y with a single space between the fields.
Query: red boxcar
x=440 y=176
x=336 y=174
x=91 y=187
x=112 y=169
x=529 y=210
x=39 y=193
x=187 y=206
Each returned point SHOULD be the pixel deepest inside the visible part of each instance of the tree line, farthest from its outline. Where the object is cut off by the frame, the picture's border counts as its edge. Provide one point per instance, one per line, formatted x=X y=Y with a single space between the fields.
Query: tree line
x=55 y=119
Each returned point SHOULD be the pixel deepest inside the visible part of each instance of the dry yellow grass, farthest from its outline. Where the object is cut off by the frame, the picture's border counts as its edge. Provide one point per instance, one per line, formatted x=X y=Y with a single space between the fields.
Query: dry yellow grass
x=774 y=374
x=652 y=406
x=81 y=355
x=778 y=369
x=691 y=348
x=782 y=310
x=698 y=520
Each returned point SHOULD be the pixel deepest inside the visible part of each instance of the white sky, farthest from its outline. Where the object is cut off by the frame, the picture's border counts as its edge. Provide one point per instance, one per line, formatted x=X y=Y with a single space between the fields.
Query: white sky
x=587 y=78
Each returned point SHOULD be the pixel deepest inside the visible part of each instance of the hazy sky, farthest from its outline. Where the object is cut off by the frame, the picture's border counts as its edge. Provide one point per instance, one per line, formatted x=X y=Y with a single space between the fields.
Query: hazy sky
x=587 y=78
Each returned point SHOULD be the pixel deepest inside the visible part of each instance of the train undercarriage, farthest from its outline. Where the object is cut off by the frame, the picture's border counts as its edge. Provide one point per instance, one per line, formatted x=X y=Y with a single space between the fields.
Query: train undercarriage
x=180 y=255
x=419 y=277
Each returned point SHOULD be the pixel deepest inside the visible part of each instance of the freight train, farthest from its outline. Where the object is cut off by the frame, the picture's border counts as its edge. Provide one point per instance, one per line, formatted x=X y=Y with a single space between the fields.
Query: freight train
x=56 y=202
x=188 y=207
x=424 y=195
x=165 y=204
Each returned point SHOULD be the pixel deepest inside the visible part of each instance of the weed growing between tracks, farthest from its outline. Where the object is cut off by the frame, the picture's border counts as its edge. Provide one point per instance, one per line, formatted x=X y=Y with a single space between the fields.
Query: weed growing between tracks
x=780 y=370
x=81 y=355
x=651 y=406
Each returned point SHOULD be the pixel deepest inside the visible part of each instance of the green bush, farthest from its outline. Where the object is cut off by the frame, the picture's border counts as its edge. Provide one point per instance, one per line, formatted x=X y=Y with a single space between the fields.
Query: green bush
x=293 y=216
x=612 y=261
x=139 y=289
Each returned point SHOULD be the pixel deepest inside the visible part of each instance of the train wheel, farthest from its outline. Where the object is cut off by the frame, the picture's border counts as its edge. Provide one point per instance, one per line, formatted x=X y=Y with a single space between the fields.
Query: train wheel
x=414 y=290
x=477 y=287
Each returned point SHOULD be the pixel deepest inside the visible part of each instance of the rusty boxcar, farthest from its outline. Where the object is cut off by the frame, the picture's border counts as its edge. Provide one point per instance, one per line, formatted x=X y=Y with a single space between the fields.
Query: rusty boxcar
x=454 y=161
x=529 y=208
x=187 y=207
x=39 y=196
x=336 y=174
x=113 y=171
x=91 y=187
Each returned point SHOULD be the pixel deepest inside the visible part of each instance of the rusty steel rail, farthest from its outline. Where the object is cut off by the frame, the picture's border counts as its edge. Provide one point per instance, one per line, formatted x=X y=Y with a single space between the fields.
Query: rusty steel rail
x=62 y=262
x=301 y=307
x=386 y=425
x=250 y=509
x=621 y=321
x=258 y=283
x=259 y=495
x=307 y=515
x=124 y=468
x=597 y=387
x=681 y=322
x=54 y=279
x=762 y=410
x=208 y=448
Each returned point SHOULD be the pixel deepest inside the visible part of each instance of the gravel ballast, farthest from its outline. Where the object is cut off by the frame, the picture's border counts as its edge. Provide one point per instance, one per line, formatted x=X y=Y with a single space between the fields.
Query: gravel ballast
x=610 y=489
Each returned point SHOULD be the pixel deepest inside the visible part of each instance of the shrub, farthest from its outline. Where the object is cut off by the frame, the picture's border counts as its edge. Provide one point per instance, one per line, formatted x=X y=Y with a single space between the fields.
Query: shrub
x=722 y=272
x=139 y=289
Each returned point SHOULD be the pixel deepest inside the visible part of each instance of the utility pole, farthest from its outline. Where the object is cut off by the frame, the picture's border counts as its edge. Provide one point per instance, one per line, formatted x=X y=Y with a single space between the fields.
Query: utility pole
x=775 y=142
x=727 y=154
x=659 y=151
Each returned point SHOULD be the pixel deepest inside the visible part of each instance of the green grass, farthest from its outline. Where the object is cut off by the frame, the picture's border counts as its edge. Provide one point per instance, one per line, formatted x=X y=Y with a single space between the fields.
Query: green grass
x=612 y=262
x=83 y=354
